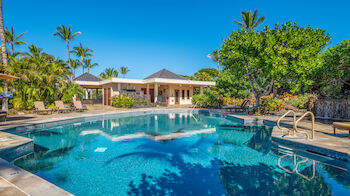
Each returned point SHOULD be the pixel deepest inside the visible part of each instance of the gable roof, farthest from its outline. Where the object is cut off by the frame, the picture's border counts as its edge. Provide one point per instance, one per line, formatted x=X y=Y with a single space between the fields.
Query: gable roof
x=87 y=77
x=164 y=73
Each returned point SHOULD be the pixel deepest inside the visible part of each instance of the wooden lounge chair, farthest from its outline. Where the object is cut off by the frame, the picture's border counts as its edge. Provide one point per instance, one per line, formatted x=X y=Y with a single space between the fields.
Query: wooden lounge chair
x=341 y=125
x=241 y=108
x=79 y=106
x=40 y=108
x=60 y=106
x=3 y=116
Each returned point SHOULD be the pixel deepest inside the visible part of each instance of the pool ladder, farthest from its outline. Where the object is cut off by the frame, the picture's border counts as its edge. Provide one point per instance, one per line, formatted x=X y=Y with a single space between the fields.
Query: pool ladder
x=295 y=124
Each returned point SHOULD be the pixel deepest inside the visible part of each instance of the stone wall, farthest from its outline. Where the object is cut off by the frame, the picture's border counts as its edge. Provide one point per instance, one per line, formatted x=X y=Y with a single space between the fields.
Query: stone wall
x=332 y=109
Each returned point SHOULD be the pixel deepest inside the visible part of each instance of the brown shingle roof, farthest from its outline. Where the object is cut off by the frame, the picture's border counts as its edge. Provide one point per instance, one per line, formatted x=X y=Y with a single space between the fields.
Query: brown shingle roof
x=164 y=73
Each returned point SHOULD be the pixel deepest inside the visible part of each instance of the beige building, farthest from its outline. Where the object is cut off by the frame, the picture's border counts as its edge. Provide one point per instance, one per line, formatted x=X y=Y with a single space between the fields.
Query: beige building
x=164 y=87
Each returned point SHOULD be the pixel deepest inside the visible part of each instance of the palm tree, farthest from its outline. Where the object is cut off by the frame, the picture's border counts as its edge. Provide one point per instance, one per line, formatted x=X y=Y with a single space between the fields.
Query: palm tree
x=75 y=64
x=82 y=52
x=124 y=70
x=4 y=57
x=89 y=65
x=215 y=57
x=109 y=73
x=12 y=39
x=66 y=34
x=250 y=21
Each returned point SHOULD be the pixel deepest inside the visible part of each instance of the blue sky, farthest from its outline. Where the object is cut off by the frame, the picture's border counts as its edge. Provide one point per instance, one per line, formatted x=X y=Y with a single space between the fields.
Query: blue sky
x=149 y=35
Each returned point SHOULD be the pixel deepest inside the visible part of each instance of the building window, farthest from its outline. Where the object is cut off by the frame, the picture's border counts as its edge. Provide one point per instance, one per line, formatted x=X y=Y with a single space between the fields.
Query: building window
x=183 y=94
x=188 y=94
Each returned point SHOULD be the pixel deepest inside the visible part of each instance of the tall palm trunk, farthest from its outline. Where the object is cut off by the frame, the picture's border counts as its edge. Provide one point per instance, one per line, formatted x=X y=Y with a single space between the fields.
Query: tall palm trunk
x=82 y=62
x=218 y=66
x=70 y=65
x=4 y=57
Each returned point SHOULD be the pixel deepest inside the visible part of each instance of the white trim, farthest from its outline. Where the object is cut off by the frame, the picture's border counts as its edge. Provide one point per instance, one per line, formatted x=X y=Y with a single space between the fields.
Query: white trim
x=147 y=81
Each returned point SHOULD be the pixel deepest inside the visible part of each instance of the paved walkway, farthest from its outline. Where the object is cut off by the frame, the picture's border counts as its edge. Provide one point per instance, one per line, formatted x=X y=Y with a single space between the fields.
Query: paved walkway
x=325 y=143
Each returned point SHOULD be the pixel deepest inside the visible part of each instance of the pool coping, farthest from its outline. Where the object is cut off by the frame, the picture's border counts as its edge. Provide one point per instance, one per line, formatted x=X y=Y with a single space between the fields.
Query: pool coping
x=9 y=170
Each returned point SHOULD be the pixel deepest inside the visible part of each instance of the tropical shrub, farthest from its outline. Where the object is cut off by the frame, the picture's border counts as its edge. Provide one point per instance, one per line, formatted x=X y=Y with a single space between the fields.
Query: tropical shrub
x=285 y=101
x=42 y=77
x=71 y=90
x=122 y=101
x=207 y=100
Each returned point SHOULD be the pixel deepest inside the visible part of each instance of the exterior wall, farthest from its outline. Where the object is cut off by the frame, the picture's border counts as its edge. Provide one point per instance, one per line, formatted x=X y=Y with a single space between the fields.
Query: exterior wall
x=182 y=100
x=168 y=91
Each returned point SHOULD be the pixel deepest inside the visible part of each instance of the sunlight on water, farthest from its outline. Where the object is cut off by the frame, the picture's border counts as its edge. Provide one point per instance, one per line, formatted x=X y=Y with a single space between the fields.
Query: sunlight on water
x=177 y=154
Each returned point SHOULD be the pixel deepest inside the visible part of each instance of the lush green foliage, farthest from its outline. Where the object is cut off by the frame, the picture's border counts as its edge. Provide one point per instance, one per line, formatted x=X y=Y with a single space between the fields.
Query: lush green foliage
x=109 y=73
x=229 y=84
x=285 y=56
x=122 y=101
x=334 y=75
x=250 y=21
x=12 y=39
x=124 y=70
x=71 y=90
x=42 y=77
x=207 y=100
x=285 y=101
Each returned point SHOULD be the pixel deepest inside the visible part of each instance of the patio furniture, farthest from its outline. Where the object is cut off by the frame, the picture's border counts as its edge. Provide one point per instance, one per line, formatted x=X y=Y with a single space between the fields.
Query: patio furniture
x=40 y=108
x=341 y=125
x=241 y=108
x=3 y=116
x=78 y=106
x=61 y=107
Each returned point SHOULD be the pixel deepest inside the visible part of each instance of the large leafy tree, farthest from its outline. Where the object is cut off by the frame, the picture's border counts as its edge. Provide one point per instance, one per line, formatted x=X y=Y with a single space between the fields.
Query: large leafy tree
x=12 y=39
x=206 y=74
x=67 y=35
x=109 y=73
x=283 y=56
x=250 y=21
x=124 y=70
x=334 y=75
x=232 y=85
x=82 y=52
x=89 y=64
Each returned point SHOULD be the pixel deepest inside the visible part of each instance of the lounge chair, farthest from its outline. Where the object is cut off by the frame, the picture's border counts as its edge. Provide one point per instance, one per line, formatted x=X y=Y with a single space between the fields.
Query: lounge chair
x=341 y=125
x=79 y=106
x=60 y=106
x=40 y=107
x=3 y=116
x=241 y=108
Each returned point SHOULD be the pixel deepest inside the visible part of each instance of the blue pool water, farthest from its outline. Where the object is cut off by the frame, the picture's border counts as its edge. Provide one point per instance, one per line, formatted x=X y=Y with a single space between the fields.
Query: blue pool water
x=177 y=154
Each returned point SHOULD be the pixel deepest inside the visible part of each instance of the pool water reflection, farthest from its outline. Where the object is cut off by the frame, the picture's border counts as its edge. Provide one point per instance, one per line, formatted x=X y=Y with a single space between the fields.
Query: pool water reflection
x=178 y=154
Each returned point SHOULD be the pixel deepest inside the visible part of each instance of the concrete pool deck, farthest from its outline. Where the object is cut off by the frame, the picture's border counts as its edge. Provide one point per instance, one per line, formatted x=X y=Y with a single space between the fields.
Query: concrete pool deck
x=16 y=180
x=325 y=143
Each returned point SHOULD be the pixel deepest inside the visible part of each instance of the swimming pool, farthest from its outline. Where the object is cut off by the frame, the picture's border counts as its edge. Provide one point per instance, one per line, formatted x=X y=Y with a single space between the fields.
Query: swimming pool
x=177 y=153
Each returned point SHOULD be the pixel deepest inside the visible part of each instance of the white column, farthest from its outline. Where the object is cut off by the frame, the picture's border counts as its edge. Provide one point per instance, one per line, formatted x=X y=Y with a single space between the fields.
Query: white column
x=201 y=90
x=147 y=92
x=91 y=93
x=86 y=94
x=155 y=92
x=119 y=88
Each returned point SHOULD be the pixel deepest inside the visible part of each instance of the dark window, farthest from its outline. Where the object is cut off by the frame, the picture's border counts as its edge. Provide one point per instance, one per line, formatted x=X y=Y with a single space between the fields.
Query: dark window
x=188 y=94
x=183 y=94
